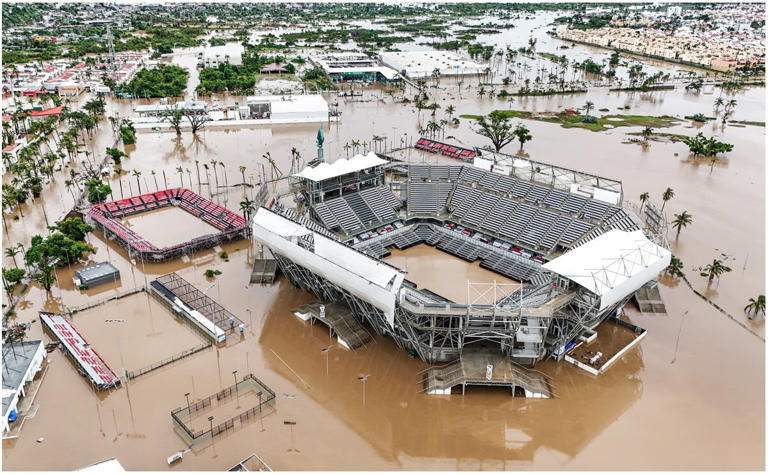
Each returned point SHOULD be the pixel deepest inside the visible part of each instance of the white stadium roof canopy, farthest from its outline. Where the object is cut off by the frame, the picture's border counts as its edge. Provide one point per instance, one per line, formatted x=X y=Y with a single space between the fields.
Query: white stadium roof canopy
x=341 y=167
x=612 y=265
x=369 y=279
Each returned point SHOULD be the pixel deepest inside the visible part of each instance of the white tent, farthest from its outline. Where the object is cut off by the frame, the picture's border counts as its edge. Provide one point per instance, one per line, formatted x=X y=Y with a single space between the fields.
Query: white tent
x=341 y=167
x=612 y=265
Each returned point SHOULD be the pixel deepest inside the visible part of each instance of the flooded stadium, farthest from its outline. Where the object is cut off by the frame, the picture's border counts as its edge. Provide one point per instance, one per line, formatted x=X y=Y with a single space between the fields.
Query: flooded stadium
x=696 y=379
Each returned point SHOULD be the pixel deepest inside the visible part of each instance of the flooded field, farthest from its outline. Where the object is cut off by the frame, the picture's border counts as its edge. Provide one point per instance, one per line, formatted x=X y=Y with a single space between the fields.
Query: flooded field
x=696 y=372
x=135 y=332
x=444 y=274
x=168 y=226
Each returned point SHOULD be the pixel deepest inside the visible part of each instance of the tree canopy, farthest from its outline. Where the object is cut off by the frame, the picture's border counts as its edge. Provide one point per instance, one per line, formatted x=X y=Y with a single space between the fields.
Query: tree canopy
x=162 y=81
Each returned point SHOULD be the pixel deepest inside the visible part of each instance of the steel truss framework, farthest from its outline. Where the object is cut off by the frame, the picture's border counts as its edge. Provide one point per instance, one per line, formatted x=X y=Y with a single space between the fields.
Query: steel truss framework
x=198 y=301
x=527 y=324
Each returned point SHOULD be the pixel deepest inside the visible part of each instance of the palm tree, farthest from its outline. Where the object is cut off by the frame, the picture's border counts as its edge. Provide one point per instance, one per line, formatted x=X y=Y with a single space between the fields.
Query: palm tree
x=450 y=110
x=681 y=220
x=246 y=207
x=136 y=174
x=180 y=170
x=215 y=172
x=224 y=170
x=242 y=172
x=588 y=107
x=714 y=269
x=154 y=178
x=669 y=193
x=643 y=197
x=12 y=252
x=675 y=267
x=755 y=305
x=719 y=102
x=647 y=132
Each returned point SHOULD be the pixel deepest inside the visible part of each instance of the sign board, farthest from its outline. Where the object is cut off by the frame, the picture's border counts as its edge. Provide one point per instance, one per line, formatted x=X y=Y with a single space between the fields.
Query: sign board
x=96 y=369
x=322 y=310
x=488 y=372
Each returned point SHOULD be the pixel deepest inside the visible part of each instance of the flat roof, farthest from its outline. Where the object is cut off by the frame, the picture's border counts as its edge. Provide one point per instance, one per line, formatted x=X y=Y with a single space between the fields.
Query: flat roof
x=17 y=358
x=341 y=167
x=96 y=271
x=423 y=63
x=612 y=265
x=387 y=72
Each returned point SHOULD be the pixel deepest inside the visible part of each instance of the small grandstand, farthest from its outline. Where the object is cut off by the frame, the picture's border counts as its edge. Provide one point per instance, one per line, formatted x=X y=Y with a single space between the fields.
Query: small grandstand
x=555 y=230
x=107 y=217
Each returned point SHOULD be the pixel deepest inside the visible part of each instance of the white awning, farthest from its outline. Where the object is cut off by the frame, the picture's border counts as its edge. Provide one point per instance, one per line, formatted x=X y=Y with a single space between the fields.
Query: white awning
x=612 y=265
x=341 y=167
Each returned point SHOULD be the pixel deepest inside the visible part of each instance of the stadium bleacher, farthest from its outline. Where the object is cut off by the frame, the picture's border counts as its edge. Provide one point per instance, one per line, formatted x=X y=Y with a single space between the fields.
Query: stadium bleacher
x=106 y=214
x=445 y=149
x=358 y=210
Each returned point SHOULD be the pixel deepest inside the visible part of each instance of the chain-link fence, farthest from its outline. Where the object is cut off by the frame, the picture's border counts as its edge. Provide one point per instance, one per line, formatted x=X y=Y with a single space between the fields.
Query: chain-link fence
x=168 y=360
x=248 y=383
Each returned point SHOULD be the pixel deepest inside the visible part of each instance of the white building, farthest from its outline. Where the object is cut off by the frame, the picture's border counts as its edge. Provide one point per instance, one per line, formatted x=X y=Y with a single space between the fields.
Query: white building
x=288 y=108
x=354 y=67
x=424 y=63
x=21 y=362
x=226 y=54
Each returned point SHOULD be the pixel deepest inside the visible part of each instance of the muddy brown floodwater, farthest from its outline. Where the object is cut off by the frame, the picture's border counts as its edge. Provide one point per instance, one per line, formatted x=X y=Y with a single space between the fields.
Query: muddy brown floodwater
x=445 y=274
x=690 y=396
x=162 y=226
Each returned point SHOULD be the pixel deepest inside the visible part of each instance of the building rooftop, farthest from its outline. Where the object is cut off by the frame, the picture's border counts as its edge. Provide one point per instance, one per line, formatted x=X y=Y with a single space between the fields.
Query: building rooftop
x=612 y=265
x=341 y=167
x=16 y=360
x=292 y=103
x=423 y=63
x=97 y=271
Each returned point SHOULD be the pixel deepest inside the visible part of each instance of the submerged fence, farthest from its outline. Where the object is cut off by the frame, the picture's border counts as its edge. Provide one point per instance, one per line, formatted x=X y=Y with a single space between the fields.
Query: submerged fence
x=168 y=360
x=248 y=383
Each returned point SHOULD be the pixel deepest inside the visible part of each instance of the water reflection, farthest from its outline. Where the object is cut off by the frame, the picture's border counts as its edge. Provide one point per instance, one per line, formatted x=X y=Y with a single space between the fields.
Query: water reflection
x=485 y=426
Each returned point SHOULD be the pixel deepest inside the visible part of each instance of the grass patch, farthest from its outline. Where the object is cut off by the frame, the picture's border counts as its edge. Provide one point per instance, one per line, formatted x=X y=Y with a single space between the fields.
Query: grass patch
x=748 y=122
x=671 y=136
x=606 y=122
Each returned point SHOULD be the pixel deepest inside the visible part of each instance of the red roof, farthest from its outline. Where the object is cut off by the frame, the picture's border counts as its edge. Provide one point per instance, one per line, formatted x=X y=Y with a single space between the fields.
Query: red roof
x=10 y=148
x=47 y=112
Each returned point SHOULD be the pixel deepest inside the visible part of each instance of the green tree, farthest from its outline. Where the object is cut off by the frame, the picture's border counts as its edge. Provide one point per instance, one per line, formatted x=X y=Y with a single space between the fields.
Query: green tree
x=523 y=134
x=700 y=145
x=714 y=269
x=496 y=127
x=643 y=198
x=681 y=221
x=72 y=227
x=675 y=267
x=755 y=305
x=668 y=194
x=97 y=190
x=647 y=133
x=247 y=207
x=116 y=155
